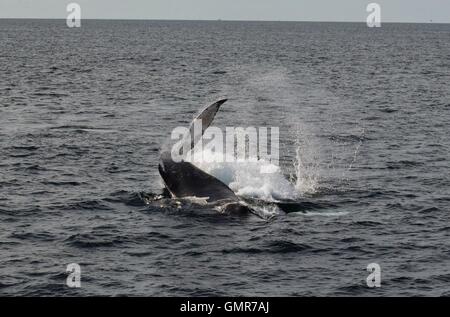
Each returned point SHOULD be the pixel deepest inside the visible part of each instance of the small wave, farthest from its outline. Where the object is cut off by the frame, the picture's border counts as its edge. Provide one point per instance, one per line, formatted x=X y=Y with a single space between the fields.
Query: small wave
x=139 y=254
x=355 y=289
x=35 y=168
x=345 y=138
x=327 y=214
x=54 y=94
x=33 y=236
x=296 y=206
x=29 y=211
x=394 y=165
x=388 y=110
x=135 y=199
x=83 y=205
x=368 y=223
x=21 y=154
x=81 y=240
x=62 y=183
x=25 y=147
x=279 y=246
x=244 y=250
x=83 y=128
x=308 y=204
x=429 y=210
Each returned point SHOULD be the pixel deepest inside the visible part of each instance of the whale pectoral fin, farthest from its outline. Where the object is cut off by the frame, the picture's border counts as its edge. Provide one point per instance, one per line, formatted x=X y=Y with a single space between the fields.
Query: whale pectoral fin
x=206 y=117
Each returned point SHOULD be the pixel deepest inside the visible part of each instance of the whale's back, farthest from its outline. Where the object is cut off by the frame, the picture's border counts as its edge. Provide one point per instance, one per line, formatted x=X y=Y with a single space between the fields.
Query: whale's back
x=183 y=179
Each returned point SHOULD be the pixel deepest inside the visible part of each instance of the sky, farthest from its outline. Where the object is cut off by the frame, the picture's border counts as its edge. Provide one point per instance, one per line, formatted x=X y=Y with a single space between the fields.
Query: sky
x=272 y=10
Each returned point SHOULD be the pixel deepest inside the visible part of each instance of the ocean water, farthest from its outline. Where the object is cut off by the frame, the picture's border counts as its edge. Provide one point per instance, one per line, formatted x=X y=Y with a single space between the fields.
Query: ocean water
x=363 y=116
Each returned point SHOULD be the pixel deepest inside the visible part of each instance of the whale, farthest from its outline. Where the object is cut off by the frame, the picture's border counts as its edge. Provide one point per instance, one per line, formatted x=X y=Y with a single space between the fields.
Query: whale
x=182 y=179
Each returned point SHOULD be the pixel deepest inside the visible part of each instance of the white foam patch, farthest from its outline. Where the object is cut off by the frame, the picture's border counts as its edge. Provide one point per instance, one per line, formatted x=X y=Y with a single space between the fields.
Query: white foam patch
x=254 y=179
x=197 y=200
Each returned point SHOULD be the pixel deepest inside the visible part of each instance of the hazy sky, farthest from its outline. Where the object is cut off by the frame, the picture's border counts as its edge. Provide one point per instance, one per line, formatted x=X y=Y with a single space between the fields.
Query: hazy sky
x=292 y=10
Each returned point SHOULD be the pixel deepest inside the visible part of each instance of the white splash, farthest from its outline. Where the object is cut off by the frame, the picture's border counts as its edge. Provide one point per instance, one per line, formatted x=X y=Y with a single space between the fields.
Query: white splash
x=253 y=179
x=306 y=167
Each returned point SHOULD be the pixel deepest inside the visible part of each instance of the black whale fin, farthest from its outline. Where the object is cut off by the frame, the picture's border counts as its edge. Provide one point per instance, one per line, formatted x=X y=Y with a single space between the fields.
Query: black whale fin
x=183 y=179
x=206 y=116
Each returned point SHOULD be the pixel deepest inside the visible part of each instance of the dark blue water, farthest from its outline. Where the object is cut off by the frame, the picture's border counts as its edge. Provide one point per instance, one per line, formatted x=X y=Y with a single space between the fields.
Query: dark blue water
x=363 y=116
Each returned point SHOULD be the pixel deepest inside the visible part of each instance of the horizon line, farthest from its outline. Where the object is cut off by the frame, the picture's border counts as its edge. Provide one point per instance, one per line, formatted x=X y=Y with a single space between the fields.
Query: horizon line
x=224 y=20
